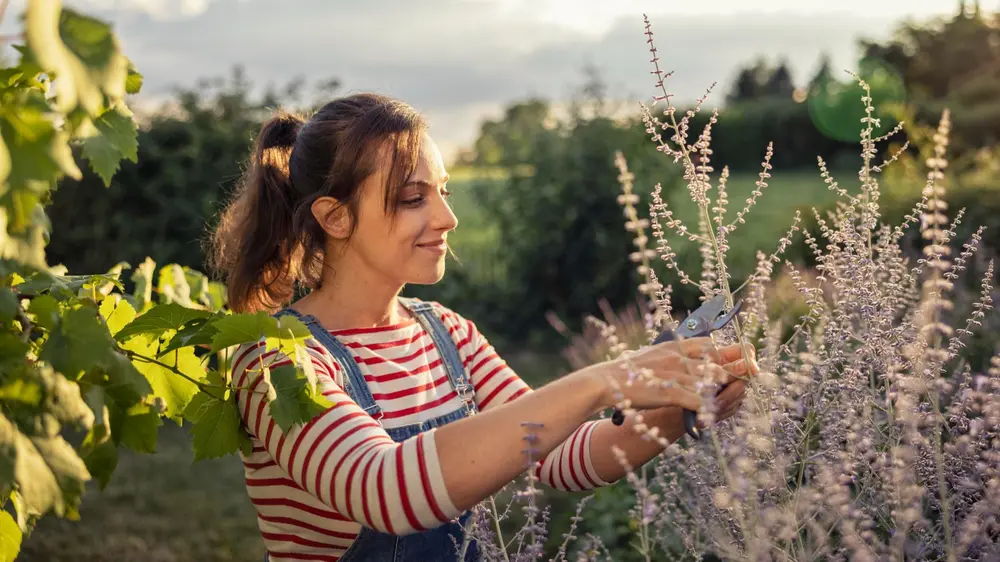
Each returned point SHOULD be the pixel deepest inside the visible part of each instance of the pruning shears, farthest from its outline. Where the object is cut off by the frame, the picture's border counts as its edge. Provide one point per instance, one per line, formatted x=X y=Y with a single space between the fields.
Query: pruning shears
x=700 y=323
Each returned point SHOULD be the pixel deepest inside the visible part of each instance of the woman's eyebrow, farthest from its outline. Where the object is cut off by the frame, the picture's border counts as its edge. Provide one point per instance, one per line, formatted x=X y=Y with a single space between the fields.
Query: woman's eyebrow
x=427 y=183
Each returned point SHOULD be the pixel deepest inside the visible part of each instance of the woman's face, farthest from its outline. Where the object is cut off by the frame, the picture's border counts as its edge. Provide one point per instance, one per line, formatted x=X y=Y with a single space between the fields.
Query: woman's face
x=409 y=247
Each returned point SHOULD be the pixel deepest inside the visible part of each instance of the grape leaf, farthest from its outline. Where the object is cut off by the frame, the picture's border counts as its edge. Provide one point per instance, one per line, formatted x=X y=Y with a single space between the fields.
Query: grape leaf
x=216 y=431
x=63 y=398
x=173 y=286
x=196 y=332
x=237 y=329
x=36 y=156
x=160 y=319
x=80 y=51
x=117 y=313
x=116 y=138
x=294 y=402
x=8 y=304
x=135 y=427
x=10 y=538
x=125 y=383
x=79 y=342
x=97 y=402
x=101 y=459
x=49 y=474
x=134 y=81
x=4 y=162
x=12 y=350
x=143 y=279
x=175 y=390
x=45 y=312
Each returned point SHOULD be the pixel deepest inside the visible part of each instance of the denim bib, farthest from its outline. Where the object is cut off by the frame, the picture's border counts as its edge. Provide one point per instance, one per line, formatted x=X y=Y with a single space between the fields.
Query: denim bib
x=437 y=544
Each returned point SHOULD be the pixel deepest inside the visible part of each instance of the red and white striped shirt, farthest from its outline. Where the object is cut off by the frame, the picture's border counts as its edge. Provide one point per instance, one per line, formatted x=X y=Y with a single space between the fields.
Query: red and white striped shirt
x=314 y=486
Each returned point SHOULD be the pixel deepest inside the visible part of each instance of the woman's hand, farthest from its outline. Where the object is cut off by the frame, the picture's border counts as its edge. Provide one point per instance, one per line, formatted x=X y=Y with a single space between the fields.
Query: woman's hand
x=669 y=374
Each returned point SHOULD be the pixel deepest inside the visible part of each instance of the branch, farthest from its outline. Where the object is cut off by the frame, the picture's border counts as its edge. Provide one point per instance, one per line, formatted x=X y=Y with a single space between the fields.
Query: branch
x=203 y=387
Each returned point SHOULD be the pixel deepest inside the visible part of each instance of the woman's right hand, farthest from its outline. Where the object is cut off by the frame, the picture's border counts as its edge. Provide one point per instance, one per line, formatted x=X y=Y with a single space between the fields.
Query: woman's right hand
x=669 y=373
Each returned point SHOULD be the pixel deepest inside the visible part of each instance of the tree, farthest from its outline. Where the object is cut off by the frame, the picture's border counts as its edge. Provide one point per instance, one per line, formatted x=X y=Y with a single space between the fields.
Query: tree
x=188 y=160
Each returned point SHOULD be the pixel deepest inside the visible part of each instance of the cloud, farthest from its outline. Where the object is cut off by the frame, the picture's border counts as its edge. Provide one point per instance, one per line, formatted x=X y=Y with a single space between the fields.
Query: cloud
x=457 y=60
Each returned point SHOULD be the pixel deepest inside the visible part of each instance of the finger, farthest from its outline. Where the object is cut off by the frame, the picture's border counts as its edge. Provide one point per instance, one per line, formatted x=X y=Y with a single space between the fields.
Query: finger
x=737 y=369
x=684 y=398
x=734 y=351
x=710 y=372
x=695 y=348
x=732 y=394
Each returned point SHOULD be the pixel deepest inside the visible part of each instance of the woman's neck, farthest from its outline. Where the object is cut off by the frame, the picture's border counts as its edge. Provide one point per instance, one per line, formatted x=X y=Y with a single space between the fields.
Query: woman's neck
x=351 y=299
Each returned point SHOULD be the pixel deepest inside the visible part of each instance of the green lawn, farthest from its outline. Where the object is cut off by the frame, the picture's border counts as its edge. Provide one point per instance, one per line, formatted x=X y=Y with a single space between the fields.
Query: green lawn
x=768 y=220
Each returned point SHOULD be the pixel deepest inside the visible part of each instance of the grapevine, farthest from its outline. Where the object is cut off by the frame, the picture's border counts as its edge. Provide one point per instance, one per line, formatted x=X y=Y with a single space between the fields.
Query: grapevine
x=87 y=364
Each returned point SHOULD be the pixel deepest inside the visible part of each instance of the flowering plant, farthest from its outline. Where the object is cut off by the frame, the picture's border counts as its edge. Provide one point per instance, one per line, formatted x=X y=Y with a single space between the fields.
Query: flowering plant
x=868 y=435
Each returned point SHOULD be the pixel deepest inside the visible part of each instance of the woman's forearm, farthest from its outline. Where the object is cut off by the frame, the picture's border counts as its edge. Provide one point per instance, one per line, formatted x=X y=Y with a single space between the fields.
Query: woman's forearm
x=480 y=454
x=638 y=450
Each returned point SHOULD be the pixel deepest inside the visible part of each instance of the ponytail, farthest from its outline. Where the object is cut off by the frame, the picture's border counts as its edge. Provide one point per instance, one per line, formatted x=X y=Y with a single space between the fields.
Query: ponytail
x=255 y=243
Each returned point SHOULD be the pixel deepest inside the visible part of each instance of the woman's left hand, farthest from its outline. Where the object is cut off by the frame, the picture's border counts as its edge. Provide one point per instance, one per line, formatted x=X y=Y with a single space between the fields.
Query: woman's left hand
x=728 y=401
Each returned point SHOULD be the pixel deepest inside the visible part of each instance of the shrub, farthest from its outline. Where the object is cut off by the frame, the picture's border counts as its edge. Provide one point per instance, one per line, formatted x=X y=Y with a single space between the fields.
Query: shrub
x=867 y=434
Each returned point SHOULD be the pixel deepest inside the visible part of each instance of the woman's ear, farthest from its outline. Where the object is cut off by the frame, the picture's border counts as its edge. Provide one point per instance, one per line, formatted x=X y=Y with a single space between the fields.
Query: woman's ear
x=333 y=217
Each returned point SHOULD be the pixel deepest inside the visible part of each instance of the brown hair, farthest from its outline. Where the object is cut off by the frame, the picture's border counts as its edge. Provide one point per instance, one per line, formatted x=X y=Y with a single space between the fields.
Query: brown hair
x=267 y=241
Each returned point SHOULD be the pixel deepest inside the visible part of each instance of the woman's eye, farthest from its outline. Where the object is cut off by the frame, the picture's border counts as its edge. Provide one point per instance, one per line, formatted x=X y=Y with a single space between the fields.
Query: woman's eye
x=413 y=201
x=445 y=193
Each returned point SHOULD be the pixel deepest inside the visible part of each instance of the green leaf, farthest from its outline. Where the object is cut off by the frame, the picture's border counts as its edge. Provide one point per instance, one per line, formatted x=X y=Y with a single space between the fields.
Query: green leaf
x=175 y=390
x=196 y=332
x=216 y=431
x=10 y=538
x=125 y=384
x=236 y=329
x=117 y=313
x=12 y=351
x=45 y=312
x=143 y=279
x=4 y=164
x=135 y=427
x=79 y=51
x=101 y=459
x=96 y=400
x=25 y=391
x=37 y=152
x=134 y=81
x=80 y=342
x=49 y=474
x=160 y=319
x=8 y=304
x=116 y=138
x=294 y=402
x=63 y=399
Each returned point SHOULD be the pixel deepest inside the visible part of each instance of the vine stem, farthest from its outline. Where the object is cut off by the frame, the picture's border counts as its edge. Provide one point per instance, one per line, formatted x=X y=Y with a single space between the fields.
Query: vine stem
x=202 y=386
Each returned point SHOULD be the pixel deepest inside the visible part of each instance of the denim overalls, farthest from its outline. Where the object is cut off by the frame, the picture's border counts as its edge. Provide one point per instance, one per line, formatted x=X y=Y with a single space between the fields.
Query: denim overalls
x=434 y=544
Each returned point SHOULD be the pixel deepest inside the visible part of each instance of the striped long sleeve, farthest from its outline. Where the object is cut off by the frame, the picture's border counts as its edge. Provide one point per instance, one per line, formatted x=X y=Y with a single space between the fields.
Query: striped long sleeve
x=569 y=466
x=343 y=457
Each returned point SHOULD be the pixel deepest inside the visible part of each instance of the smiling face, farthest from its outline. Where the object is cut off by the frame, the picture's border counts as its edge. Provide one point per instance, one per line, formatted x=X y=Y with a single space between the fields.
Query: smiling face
x=408 y=247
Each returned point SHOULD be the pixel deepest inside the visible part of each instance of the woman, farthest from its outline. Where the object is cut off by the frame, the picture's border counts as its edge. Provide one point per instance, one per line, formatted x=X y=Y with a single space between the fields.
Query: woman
x=351 y=204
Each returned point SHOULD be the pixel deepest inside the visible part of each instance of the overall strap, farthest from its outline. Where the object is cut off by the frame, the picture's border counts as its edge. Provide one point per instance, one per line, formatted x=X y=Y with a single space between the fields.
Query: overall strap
x=446 y=348
x=355 y=383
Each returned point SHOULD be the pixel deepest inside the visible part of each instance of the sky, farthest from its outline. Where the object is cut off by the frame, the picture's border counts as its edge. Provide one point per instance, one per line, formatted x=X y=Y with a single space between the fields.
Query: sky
x=461 y=61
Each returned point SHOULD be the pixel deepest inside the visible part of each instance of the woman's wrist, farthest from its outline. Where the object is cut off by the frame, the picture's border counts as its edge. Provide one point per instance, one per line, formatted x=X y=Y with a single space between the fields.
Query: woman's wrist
x=595 y=382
